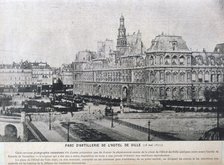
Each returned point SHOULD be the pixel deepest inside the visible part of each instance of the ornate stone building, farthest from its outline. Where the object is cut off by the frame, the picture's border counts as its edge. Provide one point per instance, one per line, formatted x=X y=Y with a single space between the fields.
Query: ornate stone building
x=168 y=70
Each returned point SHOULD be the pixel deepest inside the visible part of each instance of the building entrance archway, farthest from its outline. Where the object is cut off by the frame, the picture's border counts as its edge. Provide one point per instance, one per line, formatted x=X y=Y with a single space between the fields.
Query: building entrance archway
x=125 y=94
x=10 y=131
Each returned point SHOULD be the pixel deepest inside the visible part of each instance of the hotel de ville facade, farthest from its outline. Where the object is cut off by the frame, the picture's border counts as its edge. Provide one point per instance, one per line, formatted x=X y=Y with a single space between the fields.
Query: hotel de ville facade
x=167 y=70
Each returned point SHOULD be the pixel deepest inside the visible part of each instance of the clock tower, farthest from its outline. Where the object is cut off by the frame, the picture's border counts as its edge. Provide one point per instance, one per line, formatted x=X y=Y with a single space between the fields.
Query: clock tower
x=121 y=38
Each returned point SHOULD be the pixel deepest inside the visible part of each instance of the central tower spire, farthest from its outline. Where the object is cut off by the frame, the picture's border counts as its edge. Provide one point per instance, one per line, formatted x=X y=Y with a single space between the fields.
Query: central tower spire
x=121 y=38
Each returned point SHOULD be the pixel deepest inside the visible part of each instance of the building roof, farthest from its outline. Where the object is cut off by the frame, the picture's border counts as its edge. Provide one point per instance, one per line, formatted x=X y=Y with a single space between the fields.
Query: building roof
x=219 y=48
x=85 y=56
x=135 y=45
x=207 y=58
x=166 y=43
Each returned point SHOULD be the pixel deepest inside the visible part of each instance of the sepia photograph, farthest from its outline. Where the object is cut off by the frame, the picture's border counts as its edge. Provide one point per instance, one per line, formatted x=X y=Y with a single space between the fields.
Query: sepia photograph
x=105 y=71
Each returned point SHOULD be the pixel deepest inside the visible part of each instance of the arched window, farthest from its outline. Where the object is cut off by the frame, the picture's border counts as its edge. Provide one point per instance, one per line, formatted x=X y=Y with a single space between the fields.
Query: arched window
x=168 y=93
x=200 y=77
x=174 y=45
x=168 y=77
x=206 y=76
x=199 y=60
x=182 y=77
x=152 y=93
x=174 y=60
x=219 y=78
x=182 y=93
x=212 y=61
x=194 y=76
x=175 y=76
x=151 y=60
x=213 y=77
x=167 y=60
x=152 y=77
x=200 y=93
x=161 y=92
x=161 y=76
x=10 y=131
x=175 y=93
x=182 y=59
x=161 y=60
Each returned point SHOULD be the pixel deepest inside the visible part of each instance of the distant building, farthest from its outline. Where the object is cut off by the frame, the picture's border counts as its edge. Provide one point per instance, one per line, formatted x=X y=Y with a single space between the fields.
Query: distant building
x=25 y=76
x=67 y=75
x=104 y=48
x=41 y=73
x=219 y=48
x=13 y=76
x=167 y=70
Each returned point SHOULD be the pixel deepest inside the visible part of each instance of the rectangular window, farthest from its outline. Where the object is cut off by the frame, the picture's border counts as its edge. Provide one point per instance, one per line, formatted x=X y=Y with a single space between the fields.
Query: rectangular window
x=188 y=76
x=193 y=77
x=212 y=78
x=200 y=77
x=206 y=77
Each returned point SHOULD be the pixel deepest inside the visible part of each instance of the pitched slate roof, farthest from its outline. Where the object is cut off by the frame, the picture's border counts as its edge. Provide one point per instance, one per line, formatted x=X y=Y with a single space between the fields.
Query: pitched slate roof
x=168 y=43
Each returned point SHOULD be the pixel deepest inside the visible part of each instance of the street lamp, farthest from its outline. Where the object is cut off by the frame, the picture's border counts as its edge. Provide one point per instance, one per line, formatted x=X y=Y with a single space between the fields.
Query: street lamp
x=68 y=125
x=121 y=106
x=219 y=94
x=111 y=109
x=49 y=111
x=112 y=117
x=149 y=131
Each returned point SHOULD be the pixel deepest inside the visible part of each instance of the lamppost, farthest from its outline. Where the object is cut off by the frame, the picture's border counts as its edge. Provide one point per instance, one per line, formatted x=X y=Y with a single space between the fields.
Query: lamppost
x=112 y=117
x=219 y=102
x=49 y=111
x=149 y=131
x=68 y=125
x=218 y=116
x=192 y=87
x=121 y=106
x=111 y=109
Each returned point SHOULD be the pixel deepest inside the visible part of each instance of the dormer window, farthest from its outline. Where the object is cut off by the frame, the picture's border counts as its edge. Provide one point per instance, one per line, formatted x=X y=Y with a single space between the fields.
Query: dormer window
x=174 y=45
x=212 y=61
x=153 y=42
x=199 y=60
x=217 y=50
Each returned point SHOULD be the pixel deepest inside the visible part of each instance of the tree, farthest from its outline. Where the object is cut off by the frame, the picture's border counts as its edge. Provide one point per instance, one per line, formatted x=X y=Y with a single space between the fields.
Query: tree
x=58 y=85
x=217 y=95
x=211 y=95
x=207 y=94
x=220 y=94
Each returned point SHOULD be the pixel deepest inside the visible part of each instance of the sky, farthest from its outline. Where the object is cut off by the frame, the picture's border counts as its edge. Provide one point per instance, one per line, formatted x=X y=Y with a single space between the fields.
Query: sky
x=54 y=31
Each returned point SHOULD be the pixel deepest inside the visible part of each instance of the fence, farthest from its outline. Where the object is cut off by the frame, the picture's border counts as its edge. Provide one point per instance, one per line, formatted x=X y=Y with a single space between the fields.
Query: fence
x=162 y=135
x=36 y=133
